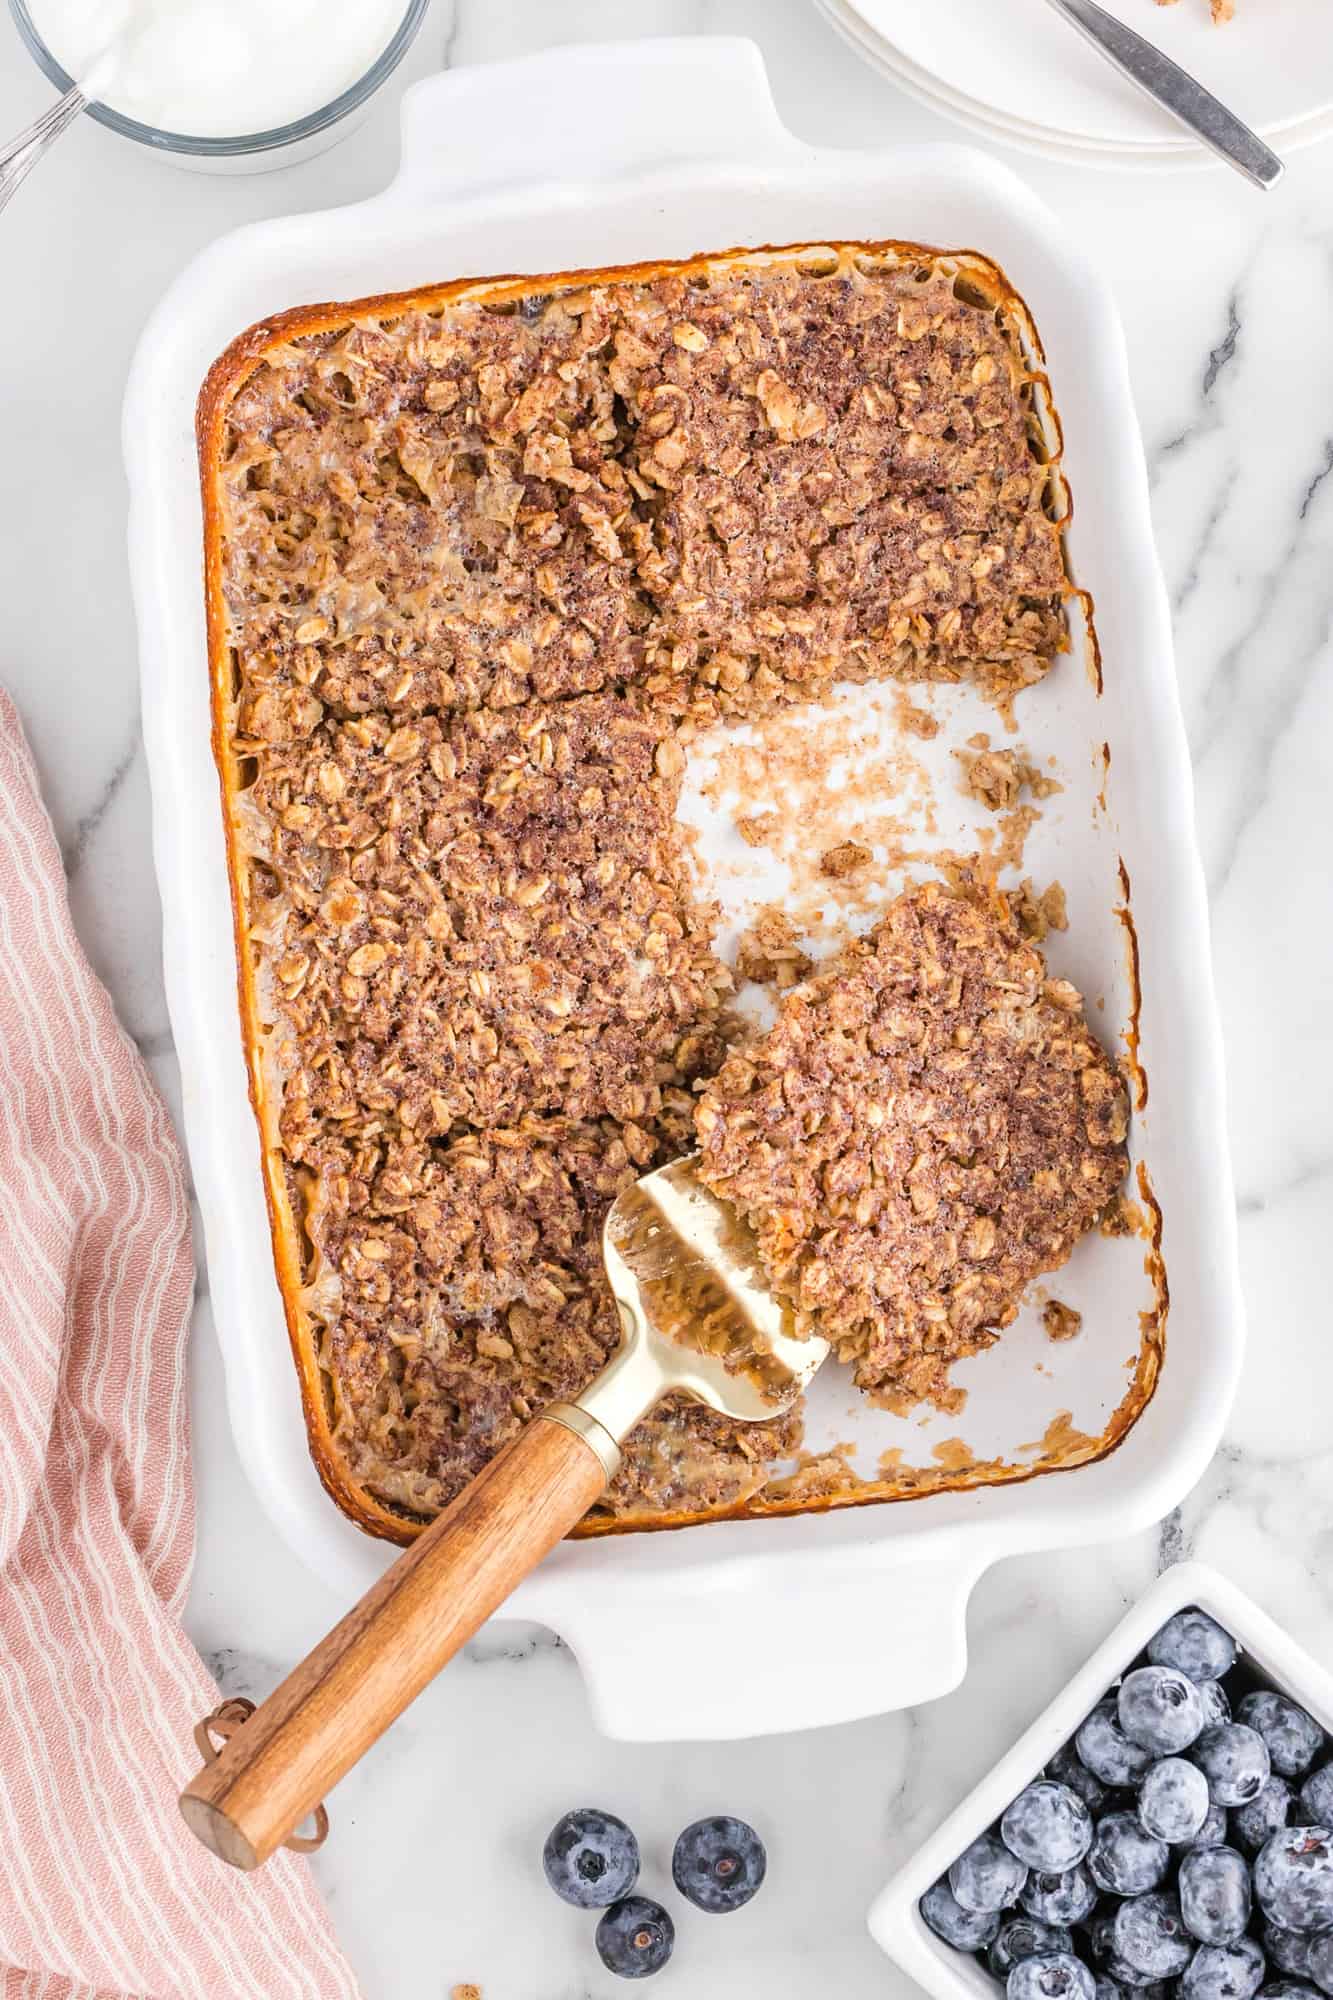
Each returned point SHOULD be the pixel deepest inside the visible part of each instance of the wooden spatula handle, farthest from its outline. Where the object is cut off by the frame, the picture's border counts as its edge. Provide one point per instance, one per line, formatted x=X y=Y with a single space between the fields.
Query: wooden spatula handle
x=280 y=1764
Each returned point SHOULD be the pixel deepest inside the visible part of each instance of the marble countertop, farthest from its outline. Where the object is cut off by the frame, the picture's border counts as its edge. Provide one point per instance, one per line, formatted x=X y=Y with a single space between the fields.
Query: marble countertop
x=1227 y=300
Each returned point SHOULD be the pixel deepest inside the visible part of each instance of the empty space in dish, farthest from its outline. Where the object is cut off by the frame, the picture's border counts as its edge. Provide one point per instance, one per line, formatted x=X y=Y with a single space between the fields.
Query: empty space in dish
x=853 y=768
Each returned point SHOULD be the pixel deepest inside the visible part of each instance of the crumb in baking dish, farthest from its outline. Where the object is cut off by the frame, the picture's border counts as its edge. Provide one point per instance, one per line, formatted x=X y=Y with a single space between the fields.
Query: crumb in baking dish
x=928 y=1126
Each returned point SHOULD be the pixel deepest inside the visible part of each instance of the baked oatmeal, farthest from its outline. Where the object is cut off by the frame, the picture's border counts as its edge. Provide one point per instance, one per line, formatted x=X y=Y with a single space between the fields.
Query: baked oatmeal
x=460 y=1289
x=479 y=563
x=927 y=1127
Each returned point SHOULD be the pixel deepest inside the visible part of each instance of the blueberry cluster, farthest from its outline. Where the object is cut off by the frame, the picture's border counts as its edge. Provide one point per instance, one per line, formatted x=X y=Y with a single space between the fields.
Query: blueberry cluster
x=591 y=1859
x=1178 y=1849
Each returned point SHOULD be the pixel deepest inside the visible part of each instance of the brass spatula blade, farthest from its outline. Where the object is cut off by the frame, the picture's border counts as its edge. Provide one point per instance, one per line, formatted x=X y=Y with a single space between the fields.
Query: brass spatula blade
x=686 y=1273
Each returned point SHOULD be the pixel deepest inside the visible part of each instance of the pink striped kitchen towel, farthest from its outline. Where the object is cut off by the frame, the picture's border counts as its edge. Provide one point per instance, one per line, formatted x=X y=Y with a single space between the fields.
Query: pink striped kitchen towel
x=103 y=1891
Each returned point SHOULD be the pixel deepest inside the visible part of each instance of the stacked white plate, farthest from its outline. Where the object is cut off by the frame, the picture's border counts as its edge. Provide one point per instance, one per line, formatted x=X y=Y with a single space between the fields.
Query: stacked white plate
x=1016 y=72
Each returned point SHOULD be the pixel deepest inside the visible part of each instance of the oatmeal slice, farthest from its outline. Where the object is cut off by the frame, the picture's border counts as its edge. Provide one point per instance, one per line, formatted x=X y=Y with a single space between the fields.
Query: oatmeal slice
x=430 y=511
x=841 y=483
x=466 y=1289
x=928 y=1126
x=481 y=916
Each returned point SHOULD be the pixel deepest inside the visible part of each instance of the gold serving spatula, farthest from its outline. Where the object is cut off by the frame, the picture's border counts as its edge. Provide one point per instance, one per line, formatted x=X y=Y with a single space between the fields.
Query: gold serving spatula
x=697 y=1319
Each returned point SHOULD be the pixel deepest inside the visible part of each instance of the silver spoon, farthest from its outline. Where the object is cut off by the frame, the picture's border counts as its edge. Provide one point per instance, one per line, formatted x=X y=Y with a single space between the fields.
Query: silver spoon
x=1175 y=90
x=21 y=155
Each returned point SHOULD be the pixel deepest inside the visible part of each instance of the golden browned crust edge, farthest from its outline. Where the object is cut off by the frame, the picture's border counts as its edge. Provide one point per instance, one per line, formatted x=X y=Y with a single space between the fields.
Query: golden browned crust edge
x=224 y=379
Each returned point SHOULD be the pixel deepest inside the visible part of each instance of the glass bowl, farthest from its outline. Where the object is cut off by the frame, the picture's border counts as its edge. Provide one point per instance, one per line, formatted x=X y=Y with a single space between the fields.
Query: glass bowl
x=249 y=152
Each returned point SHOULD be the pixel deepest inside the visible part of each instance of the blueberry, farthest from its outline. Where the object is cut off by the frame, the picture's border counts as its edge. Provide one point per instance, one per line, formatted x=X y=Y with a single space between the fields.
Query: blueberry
x=634 y=1937
x=1265 y=1814
x=1054 y=1975
x=1107 y=1751
x=591 y=1858
x=1173 y=1801
x=1294 y=1738
x=1149 y=1939
x=1216 y=1703
x=1213 y=1832
x=1060 y=1899
x=1288 y=1989
x=1224 y=1972
x=1289 y=1951
x=1047 y=1827
x=1317 y=1797
x=1214 y=1889
x=718 y=1864
x=1321 y=1963
x=1159 y=1708
x=986 y=1876
x=965 y=1930
x=1114 y=1989
x=1293 y=1878
x=1069 y=1769
x=1124 y=1859
x=1025 y=1937
x=1196 y=1644
x=1234 y=1759
x=1021 y=1936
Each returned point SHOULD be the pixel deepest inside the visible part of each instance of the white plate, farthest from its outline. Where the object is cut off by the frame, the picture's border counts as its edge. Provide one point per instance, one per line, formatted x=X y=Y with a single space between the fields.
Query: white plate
x=895 y=1921
x=664 y=148
x=1048 y=142
x=1273 y=64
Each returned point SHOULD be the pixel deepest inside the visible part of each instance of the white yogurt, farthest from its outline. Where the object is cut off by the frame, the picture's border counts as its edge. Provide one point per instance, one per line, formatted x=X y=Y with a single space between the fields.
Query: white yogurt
x=216 y=68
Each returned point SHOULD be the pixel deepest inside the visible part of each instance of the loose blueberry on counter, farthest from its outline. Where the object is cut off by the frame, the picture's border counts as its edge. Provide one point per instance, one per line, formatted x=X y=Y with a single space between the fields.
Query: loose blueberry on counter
x=1106 y=1750
x=591 y=1858
x=1149 y=1939
x=1160 y=1709
x=1293 y=1878
x=635 y=1937
x=1055 y=1975
x=1216 y=1703
x=1068 y=1769
x=1025 y=1937
x=1294 y=1738
x=1194 y=1643
x=1060 y=1899
x=965 y=1930
x=1321 y=1963
x=1124 y=1859
x=1289 y=1951
x=1317 y=1797
x=986 y=1876
x=1214 y=1890
x=1224 y=1972
x=1174 y=1802
x=1234 y=1759
x=1047 y=1827
x=718 y=1864
x=1266 y=1814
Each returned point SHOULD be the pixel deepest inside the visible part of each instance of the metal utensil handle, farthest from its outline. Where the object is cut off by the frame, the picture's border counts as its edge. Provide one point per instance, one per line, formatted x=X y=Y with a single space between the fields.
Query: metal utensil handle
x=1175 y=90
x=21 y=155
x=278 y=1764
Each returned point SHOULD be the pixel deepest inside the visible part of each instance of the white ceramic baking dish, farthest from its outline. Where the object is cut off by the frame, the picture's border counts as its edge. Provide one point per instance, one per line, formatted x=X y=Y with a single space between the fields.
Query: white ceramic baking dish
x=595 y=156
x=895 y=1921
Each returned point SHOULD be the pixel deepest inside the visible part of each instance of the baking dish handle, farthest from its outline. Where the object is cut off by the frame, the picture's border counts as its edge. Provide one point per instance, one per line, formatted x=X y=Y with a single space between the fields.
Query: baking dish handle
x=722 y=1660
x=615 y=106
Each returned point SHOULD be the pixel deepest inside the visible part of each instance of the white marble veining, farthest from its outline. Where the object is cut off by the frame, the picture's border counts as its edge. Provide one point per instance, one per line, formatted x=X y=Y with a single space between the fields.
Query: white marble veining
x=1227 y=300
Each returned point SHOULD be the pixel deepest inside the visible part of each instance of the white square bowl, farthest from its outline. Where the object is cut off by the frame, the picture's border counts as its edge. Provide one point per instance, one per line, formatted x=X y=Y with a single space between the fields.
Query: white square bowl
x=895 y=1921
